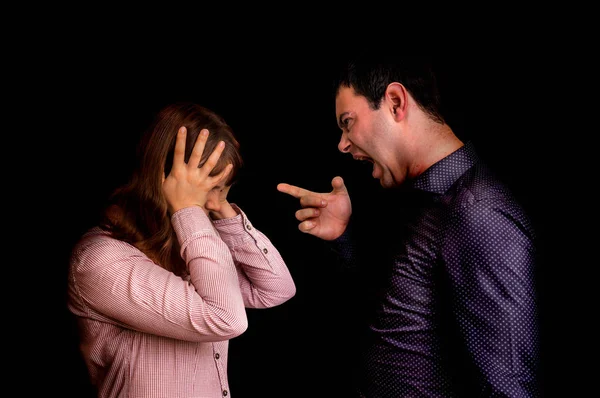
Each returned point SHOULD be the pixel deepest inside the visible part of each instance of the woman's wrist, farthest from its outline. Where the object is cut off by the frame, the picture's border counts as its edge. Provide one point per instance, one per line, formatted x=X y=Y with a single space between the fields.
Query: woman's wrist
x=226 y=211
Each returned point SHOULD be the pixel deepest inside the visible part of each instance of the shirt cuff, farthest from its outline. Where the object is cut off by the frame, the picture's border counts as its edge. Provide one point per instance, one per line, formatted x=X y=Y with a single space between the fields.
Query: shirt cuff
x=191 y=221
x=236 y=230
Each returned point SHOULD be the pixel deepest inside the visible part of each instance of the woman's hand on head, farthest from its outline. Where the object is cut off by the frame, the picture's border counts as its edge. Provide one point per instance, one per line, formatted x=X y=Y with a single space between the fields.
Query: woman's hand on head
x=187 y=184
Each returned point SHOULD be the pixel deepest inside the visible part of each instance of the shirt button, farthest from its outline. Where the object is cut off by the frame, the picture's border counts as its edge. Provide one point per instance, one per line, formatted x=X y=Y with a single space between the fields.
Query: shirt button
x=265 y=250
x=248 y=227
x=224 y=393
x=217 y=356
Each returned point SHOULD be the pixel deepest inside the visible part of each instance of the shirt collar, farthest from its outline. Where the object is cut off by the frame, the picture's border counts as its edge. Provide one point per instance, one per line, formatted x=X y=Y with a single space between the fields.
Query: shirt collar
x=443 y=174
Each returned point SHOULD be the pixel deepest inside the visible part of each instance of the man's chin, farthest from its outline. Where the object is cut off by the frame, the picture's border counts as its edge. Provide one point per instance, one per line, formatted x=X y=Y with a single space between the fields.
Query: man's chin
x=388 y=183
x=385 y=184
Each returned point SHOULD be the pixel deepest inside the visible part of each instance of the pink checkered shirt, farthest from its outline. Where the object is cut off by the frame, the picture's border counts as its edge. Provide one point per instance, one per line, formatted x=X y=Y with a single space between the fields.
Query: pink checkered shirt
x=148 y=333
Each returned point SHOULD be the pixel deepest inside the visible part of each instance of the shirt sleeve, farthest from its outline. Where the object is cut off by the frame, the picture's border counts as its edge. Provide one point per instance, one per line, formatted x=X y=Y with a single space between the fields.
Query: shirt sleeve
x=343 y=247
x=264 y=278
x=490 y=259
x=115 y=282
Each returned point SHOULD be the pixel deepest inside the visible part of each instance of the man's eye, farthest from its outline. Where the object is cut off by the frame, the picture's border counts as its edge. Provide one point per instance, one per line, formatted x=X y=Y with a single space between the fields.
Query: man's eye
x=345 y=123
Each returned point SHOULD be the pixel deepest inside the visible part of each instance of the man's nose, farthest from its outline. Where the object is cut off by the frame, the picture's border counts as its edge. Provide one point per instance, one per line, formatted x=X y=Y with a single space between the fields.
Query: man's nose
x=344 y=144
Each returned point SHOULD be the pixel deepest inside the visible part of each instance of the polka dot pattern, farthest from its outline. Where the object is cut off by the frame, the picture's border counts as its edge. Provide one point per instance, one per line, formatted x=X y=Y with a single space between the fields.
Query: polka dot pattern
x=458 y=313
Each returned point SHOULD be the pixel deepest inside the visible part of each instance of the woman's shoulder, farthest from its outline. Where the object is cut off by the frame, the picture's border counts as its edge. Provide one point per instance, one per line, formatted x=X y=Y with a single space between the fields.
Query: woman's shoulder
x=98 y=246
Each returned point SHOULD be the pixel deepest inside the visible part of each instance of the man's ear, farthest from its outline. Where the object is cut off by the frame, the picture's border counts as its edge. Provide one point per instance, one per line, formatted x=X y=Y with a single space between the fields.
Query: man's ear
x=396 y=97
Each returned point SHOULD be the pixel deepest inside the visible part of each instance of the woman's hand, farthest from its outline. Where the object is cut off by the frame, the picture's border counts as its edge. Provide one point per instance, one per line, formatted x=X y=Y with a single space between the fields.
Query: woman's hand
x=187 y=184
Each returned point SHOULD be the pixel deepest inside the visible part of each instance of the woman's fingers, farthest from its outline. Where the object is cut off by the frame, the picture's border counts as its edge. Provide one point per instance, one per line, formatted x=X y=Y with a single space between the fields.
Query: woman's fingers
x=198 y=149
x=212 y=159
x=223 y=174
x=196 y=156
x=179 y=152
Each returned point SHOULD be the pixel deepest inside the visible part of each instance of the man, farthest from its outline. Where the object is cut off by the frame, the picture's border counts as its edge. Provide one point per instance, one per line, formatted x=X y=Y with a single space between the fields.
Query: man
x=457 y=313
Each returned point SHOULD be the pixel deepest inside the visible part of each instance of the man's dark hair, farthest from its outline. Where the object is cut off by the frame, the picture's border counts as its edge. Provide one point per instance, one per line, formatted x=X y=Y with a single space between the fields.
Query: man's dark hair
x=370 y=74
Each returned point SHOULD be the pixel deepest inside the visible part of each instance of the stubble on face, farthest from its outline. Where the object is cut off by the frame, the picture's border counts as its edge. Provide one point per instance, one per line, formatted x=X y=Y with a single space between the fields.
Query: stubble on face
x=370 y=134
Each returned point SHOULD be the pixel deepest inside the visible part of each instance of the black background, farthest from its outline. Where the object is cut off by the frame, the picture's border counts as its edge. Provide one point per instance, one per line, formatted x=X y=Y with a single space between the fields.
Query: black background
x=278 y=101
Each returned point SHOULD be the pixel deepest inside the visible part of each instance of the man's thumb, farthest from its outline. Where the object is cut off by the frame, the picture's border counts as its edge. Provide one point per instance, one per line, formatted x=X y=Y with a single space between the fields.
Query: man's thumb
x=338 y=184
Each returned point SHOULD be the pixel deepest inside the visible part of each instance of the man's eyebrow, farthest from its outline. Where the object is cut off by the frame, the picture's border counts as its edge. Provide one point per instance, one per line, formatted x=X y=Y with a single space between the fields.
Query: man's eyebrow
x=340 y=124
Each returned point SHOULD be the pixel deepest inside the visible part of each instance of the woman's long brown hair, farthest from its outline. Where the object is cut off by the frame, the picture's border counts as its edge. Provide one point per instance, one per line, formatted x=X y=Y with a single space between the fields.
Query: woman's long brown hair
x=137 y=211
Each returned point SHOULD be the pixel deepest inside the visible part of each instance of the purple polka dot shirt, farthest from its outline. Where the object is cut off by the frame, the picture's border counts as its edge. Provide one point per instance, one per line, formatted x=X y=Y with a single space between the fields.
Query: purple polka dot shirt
x=457 y=314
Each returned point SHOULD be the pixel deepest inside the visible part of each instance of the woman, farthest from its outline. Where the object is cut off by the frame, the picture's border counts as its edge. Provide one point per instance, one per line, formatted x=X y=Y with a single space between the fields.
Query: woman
x=161 y=284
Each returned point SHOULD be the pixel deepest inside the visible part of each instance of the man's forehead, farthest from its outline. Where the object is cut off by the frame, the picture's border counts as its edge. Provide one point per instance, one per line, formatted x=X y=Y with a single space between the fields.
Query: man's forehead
x=344 y=98
x=345 y=93
x=348 y=101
